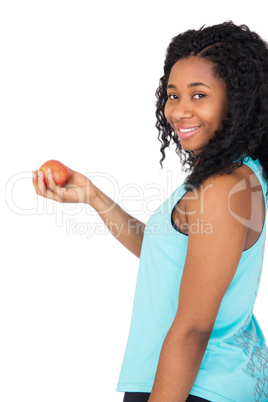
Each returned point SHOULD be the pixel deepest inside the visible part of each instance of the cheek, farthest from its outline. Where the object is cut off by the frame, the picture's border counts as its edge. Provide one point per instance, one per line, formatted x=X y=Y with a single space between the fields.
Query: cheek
x=215 y=114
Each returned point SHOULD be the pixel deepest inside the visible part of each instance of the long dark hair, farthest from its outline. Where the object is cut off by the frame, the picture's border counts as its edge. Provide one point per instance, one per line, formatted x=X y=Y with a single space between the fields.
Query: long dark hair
x=240 y=57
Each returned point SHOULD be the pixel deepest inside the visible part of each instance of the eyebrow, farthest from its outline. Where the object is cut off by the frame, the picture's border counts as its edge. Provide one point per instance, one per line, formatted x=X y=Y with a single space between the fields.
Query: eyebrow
x=193 y=84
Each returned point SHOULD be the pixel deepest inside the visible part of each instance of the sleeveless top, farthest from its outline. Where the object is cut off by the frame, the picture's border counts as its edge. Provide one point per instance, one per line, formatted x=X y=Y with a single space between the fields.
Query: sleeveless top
x=235 y=364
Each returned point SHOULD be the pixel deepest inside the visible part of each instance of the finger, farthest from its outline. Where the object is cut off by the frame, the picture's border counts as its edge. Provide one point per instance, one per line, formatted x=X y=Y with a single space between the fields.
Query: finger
x=41 y=186
x=51 y=183
x=53 y=187
x=35 y=179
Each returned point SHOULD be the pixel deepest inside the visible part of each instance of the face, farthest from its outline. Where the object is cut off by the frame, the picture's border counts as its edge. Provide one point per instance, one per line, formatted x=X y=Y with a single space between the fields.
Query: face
x=197 y=102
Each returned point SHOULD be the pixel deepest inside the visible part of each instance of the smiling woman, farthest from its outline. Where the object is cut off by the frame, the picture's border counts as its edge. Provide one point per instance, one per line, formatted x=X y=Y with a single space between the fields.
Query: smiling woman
x=193 y=335
x=197 y=102
x=238 y=57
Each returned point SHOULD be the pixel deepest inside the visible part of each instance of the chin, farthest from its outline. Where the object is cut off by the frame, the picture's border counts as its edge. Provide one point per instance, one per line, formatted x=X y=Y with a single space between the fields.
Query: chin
x=196 y=150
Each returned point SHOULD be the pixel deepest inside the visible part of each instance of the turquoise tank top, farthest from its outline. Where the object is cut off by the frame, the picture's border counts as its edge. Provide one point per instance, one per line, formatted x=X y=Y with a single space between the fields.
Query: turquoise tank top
x=235 y=364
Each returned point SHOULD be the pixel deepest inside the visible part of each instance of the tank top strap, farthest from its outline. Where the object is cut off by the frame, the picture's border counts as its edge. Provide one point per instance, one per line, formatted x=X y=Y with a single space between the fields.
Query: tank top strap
x=176 y=196
x=257 y=168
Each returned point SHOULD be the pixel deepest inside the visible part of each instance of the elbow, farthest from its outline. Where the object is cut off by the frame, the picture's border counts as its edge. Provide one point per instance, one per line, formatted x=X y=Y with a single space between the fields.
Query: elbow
x=200 y=334
x=192 y=332
x=196 y=338
x=201 y=329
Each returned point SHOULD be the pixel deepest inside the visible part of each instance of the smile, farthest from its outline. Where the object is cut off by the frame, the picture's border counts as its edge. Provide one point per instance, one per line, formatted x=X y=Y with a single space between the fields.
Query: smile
x=186 y=132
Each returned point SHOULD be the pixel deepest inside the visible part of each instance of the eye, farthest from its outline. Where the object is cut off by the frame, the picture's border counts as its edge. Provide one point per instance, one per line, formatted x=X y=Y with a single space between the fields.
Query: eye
x=172 y=97
x=199 y=96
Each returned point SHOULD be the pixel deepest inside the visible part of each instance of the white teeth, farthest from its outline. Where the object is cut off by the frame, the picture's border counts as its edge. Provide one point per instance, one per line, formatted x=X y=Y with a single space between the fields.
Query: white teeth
x=187 y=130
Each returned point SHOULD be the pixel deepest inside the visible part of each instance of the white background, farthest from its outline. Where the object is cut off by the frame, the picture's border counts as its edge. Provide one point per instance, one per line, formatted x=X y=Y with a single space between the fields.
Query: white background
x=78 y=81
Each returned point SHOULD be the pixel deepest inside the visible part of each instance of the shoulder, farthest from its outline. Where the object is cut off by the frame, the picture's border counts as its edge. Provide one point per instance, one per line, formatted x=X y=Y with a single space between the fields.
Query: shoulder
x=221 y=196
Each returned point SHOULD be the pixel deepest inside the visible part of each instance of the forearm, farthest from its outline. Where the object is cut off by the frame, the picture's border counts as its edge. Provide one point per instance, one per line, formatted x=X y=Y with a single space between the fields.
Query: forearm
x=126 y=229
x=180 y=359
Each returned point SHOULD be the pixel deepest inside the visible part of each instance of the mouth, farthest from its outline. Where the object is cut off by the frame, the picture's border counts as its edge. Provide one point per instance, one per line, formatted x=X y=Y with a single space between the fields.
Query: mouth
x=185 y=133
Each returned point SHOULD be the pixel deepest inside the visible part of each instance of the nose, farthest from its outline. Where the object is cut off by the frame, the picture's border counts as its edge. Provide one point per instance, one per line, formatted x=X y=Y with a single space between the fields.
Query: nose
x=182 y=110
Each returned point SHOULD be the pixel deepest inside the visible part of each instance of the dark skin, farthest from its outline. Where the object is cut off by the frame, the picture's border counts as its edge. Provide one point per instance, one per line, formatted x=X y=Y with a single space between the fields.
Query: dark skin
x=196 y=98
x=208 y=269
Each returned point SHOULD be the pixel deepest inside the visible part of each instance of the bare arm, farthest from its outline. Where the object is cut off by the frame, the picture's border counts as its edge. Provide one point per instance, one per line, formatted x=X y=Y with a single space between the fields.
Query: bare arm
x=127 y=229
x=210 y=265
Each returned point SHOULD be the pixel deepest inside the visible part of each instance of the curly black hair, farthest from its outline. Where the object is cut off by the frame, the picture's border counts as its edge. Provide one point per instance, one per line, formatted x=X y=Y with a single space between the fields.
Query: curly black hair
x=240 y=57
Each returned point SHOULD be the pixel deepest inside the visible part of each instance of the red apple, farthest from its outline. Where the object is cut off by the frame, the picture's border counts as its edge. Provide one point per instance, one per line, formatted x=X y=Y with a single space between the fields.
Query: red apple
x=60 y=172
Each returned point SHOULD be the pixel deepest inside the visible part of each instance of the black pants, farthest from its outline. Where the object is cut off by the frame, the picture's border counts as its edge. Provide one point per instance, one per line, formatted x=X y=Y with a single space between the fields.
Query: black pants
x=144 y=396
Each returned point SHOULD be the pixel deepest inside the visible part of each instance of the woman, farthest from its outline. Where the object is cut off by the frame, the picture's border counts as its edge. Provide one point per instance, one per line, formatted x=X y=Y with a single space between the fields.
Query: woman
x=193 y=335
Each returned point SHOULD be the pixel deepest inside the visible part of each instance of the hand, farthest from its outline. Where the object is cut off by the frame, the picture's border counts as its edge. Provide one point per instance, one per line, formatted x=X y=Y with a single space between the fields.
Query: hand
x=78 y=189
